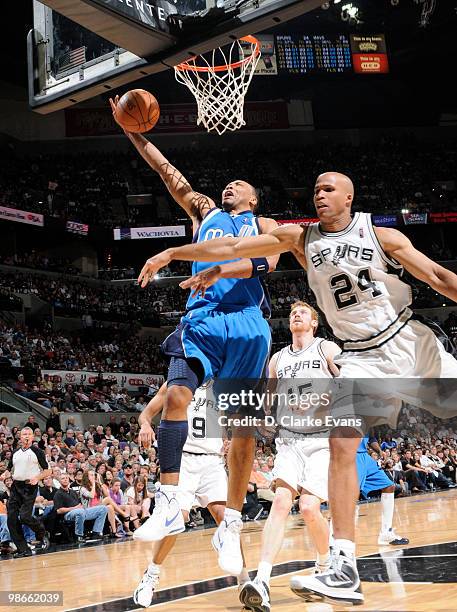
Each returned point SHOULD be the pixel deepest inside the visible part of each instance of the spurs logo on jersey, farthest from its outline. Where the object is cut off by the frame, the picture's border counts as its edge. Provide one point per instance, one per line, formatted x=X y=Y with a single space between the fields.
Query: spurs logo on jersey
x=356 y=284
x=295 y=371
x=201 y=412
x=302 y=364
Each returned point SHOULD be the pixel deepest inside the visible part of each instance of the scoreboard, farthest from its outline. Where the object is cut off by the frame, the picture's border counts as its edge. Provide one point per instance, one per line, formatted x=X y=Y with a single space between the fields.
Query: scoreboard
x=313 y=53
x=303 y=54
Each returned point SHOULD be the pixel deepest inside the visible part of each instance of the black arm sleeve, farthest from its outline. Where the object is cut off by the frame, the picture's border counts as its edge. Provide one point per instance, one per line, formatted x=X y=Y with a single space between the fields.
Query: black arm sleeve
x=41 y=458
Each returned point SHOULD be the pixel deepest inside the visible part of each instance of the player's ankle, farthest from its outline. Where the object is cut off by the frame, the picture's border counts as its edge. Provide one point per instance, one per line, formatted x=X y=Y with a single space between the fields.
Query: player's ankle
x=264 y=571
x=345 y=546
x=154 y=568
x=230 y=514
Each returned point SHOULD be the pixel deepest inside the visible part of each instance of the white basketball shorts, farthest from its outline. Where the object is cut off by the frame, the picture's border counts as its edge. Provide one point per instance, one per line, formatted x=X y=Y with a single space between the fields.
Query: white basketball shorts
x=303 y=464
x=202 y=481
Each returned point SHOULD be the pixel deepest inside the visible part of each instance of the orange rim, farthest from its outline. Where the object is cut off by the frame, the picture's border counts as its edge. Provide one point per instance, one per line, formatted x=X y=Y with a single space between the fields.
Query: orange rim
x=185 y=66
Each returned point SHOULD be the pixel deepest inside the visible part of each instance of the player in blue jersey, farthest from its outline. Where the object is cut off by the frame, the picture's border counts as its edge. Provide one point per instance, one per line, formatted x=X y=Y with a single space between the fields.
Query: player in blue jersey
x=373 y=478
x=223 y=334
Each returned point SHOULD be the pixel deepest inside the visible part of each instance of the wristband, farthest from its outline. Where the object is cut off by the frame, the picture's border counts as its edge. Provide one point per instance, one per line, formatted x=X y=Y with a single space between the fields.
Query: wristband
x=260 y=267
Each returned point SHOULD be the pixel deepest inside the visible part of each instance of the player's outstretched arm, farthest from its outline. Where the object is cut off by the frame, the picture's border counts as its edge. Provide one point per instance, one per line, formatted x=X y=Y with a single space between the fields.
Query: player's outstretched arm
x=281 y=240
x=241 y=268
x=195 y=204
x=400 y=248
x=155 y=405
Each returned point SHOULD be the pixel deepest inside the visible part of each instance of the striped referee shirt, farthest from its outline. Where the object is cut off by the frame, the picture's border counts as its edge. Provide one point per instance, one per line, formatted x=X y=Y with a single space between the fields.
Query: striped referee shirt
x=27 y=463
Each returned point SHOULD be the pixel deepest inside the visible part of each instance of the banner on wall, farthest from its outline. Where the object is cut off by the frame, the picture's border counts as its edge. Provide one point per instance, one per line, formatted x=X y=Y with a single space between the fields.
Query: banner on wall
x=82 y=122
x=415 y=218
x=443 y=217
x=21 y=216
x=141 y=233
x=385 y=220
x=129 y=380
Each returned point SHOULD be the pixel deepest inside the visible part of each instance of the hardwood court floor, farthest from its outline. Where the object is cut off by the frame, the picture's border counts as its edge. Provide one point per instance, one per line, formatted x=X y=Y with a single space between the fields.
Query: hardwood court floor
x=420 y=577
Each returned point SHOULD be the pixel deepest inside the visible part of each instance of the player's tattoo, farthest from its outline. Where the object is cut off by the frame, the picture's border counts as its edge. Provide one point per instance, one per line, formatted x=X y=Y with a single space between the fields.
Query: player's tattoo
x=200 y=204
x=179 y=186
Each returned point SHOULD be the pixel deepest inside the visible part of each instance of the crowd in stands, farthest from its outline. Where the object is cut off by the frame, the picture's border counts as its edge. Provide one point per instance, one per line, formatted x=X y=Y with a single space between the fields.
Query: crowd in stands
x=161 y=303
x=108 y=481
x=389 y=175
x=40 y=262
x=106 y=351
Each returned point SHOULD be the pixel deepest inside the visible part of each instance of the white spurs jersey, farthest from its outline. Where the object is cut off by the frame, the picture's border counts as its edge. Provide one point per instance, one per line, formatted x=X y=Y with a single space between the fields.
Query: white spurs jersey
x=356 y=284
x=203 y=422
x=295 y=371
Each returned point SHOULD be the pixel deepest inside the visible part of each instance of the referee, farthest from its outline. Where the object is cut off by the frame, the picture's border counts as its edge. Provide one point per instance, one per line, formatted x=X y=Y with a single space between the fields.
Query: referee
x=27 y=465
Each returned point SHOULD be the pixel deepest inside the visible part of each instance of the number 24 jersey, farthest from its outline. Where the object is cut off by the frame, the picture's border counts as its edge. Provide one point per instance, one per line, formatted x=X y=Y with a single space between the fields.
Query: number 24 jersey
x=357 y=286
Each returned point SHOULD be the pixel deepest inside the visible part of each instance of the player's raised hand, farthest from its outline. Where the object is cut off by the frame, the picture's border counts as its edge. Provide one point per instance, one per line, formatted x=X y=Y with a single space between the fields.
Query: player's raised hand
x=113 y=104
x=152 y=266
x=200 y=282
x=146 y=436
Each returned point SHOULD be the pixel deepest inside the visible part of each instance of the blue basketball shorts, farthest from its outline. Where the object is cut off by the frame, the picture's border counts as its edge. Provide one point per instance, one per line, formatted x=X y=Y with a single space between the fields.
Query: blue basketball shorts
x=371 y=476
x=231 y=345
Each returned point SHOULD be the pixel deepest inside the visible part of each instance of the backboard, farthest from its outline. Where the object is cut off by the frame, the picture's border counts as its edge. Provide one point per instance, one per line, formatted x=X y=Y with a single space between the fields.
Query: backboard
x=78 y=49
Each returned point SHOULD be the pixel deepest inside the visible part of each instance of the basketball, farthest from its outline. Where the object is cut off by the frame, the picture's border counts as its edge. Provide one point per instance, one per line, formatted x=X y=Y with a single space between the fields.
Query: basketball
x=137 y=111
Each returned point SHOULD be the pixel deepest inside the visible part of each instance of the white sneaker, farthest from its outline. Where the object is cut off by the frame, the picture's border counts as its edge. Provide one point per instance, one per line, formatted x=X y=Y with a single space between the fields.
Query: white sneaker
x=392 y=538
x=166 y=519
x=255 y=596
x=144 y=592
x=226 y=542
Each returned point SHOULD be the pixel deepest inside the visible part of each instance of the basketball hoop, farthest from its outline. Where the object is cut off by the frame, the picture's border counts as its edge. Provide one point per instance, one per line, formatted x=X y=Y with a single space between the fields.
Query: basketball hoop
x=220 y=83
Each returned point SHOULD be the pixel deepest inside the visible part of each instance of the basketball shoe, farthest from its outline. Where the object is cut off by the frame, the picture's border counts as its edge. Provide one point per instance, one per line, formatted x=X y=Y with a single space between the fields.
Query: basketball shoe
x=166 y=519
x=392 y=538
x=226 y=542
x=255 y=596
x=144 y=592
x=340 y=584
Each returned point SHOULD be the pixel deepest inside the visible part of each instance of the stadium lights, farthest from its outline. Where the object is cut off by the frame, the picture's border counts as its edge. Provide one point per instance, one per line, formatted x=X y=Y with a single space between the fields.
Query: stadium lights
x=404 y=211
x=349 y=12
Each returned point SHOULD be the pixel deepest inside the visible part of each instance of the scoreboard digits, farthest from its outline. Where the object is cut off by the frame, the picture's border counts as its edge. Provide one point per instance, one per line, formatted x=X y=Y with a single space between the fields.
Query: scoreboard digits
x=309 y=53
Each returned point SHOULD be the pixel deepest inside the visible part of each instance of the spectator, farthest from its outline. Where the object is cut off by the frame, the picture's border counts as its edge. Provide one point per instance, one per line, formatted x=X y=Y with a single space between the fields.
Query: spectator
x=93 y=495
x=68 y=505
x=139 y=500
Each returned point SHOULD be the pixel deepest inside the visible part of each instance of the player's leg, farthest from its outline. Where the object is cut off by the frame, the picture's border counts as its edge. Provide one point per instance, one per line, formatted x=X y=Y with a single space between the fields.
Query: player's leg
x=149 y=582
x=248 y=341
x=375 y=479
x=226 y=540
x=166 y=519
x=217 y=511
x=341 y=583
x=255 y=595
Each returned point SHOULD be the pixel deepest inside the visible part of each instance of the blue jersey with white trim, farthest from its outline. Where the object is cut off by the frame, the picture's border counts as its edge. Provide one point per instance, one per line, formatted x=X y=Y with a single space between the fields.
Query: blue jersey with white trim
x=229 y=293
x=363 y=446
x=364 y=443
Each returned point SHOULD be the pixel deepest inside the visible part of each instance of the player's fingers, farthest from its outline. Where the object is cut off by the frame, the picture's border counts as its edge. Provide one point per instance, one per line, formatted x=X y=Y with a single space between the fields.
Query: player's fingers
x=189 y=282
x=116 y=99
x=113 y=107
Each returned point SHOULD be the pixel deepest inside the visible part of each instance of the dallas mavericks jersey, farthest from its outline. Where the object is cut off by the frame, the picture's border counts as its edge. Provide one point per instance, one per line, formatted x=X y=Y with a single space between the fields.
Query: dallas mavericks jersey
x=202 y=420
x=230 y=293
x=356 y=284
x=295 y=371
x=363 y=446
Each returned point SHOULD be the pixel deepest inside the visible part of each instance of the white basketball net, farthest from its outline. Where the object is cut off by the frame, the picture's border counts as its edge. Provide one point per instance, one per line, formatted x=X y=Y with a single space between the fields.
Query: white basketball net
x=220 y=83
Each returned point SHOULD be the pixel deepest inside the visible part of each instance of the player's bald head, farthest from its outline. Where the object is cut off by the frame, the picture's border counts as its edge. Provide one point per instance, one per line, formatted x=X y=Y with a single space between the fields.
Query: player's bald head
x=337 y=179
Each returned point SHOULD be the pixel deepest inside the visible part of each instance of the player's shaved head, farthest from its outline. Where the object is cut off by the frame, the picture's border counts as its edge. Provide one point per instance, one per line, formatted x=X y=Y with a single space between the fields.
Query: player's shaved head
x=336 y=178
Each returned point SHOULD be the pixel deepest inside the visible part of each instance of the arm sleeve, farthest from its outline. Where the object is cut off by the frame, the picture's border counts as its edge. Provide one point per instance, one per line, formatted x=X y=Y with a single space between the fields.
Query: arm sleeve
x=40 y=455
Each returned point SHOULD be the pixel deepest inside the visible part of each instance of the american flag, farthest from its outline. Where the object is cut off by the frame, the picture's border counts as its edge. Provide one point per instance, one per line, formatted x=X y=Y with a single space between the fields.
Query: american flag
x=72 y=58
